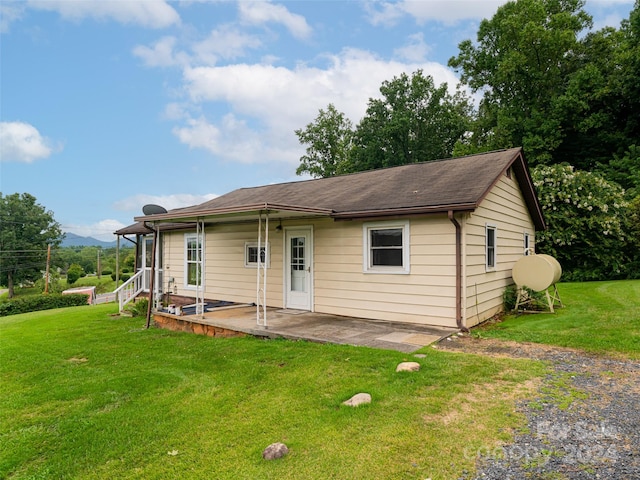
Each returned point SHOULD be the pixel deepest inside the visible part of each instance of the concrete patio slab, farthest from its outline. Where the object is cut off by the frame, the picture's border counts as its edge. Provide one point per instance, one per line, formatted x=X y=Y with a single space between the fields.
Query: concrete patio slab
x=323 y=328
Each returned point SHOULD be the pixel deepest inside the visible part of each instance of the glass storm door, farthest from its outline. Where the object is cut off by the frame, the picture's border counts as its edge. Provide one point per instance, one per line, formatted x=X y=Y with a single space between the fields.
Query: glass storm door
x=147 y=249
x=298 y=269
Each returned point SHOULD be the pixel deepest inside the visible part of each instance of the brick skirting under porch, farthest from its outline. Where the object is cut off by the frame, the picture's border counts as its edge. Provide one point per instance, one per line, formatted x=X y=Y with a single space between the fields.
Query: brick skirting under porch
x=177 y=324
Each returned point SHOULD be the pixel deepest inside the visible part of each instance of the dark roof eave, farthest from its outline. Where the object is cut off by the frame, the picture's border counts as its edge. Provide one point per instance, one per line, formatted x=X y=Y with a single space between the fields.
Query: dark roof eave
x=528 y=190
x=464 y=207
x=253 y=208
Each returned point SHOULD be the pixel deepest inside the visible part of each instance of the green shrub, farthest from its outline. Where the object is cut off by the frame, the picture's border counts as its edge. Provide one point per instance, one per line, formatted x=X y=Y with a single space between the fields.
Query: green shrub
x=139 y=307
x=123 y=276
x=586 y=216
x=106 y=272
x=34 y=303
x=55 y=286
x=74 y=272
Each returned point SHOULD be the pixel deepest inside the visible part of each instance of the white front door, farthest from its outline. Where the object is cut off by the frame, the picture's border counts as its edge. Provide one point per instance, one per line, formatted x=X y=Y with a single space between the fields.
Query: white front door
x=298 y=283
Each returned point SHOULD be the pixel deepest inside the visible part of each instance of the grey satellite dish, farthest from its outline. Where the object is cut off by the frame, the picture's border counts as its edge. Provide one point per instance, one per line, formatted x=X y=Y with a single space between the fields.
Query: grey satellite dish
x=151 y=209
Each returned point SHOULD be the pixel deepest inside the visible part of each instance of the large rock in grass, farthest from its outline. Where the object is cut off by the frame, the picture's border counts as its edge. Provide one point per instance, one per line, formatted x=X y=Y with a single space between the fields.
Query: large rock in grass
x=358 y=399
x=408 y=367
x=275 y=451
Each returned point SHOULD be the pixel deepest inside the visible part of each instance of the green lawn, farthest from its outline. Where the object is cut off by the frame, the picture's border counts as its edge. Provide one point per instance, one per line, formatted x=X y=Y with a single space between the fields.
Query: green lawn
x=601 y=317
x=86 y=395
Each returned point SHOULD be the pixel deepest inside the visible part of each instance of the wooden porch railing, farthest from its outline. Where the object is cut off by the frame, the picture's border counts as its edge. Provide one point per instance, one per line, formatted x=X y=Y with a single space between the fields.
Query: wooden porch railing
x=130 y=289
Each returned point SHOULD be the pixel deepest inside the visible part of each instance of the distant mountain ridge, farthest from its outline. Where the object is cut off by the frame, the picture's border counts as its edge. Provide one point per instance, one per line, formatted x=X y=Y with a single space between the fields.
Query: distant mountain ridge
x=73 y=240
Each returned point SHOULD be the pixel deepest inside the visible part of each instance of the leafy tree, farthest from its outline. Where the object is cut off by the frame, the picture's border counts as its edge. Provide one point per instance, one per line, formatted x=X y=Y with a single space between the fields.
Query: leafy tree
x=585 y=214
x=625 y=170
x=628 y=74
x=129 y=262
x=564 y=95
x=26 y=229
x=328 y=139
x=414 y=121
x=520 y=62
x=74 y=272
x=633 y=233
x=89 y=259
x=54 y=283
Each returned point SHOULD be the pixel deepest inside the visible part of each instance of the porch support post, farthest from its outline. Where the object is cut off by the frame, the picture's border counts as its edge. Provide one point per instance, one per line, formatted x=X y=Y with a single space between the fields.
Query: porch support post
x=152 y=276
x=261 y=274
x=200 y=268
x=118 y=262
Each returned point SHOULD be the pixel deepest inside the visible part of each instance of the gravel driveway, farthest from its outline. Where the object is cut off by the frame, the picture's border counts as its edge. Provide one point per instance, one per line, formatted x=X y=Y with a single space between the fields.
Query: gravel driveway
x=584 y=422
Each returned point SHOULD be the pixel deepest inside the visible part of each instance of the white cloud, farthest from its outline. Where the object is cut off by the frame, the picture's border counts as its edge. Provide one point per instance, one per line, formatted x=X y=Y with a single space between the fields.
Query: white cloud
x=267 y=103
x=102 y=230
x=135 y=203
x=147 y=13
x=611 y=20
x=445 y=11
x=161 y=54
x=258 y=13
x=416 y=49
x=225 y=42
x=234 y=141
x=9 y=12
x=176 y=111
x=22 y=142
x=383 y=13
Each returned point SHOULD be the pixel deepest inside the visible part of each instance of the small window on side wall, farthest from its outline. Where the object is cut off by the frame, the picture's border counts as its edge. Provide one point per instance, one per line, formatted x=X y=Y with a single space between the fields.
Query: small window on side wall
x=527 y=244
x=491 y=246
x=251 y=255
x=386 y=247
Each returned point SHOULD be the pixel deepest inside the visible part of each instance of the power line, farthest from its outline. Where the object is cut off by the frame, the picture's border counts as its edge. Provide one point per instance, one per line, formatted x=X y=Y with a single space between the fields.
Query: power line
x=21 y=251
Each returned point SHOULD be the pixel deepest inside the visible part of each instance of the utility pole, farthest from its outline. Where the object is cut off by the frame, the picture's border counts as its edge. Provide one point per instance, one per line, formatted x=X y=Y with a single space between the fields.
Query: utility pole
x=99 y=272
x=46 y=275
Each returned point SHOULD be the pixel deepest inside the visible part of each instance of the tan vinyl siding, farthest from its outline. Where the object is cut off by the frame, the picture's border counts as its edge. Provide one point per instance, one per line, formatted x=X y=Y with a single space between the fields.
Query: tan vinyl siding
x=173 y=261
x=505 y=208
x=226 y=277
x=426 y=295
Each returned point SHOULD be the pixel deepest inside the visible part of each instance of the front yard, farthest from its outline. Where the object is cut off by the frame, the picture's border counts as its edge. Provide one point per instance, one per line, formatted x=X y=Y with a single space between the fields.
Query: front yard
x=88 y=395
x=85 y=394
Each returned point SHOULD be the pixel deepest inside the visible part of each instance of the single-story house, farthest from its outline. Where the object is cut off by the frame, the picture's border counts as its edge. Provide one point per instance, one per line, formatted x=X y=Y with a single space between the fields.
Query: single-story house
x=427 y=243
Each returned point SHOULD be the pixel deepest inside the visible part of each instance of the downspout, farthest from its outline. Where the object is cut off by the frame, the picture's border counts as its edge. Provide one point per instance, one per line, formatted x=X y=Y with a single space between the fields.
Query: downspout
x=456 y=224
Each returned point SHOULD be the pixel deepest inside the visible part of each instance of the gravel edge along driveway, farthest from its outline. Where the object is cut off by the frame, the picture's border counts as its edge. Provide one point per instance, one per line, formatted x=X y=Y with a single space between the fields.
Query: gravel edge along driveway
x=583 y=423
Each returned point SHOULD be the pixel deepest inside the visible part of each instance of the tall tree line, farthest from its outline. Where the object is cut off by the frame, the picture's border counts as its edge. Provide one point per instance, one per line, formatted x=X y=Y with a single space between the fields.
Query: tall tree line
x=570 y=96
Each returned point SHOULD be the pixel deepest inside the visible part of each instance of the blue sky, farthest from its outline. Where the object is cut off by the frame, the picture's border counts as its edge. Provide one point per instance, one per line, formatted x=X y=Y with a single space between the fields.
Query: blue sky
x=106 y=106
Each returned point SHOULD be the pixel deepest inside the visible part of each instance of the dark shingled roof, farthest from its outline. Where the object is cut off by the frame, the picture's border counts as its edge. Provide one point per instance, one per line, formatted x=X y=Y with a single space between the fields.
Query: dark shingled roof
x=457 y=184
x=139 y=228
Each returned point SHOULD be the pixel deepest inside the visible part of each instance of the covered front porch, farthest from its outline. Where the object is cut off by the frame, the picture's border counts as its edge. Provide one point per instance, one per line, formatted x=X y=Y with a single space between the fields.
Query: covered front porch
x=239 y=320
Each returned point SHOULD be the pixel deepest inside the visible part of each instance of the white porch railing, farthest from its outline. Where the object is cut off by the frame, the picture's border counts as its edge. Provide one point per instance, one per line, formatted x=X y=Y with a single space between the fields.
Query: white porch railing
x=130 y=289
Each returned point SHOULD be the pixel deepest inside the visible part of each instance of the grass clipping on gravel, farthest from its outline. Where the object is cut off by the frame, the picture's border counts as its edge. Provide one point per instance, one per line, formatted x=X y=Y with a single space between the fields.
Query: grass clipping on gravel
x=87 y=395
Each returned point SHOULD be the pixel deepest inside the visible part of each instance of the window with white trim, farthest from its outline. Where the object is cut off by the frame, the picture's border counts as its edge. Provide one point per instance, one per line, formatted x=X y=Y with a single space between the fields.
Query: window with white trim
x=386 y=247
x=251 y=254
x=491 y=244
x=193 y=260
x=527 y=244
